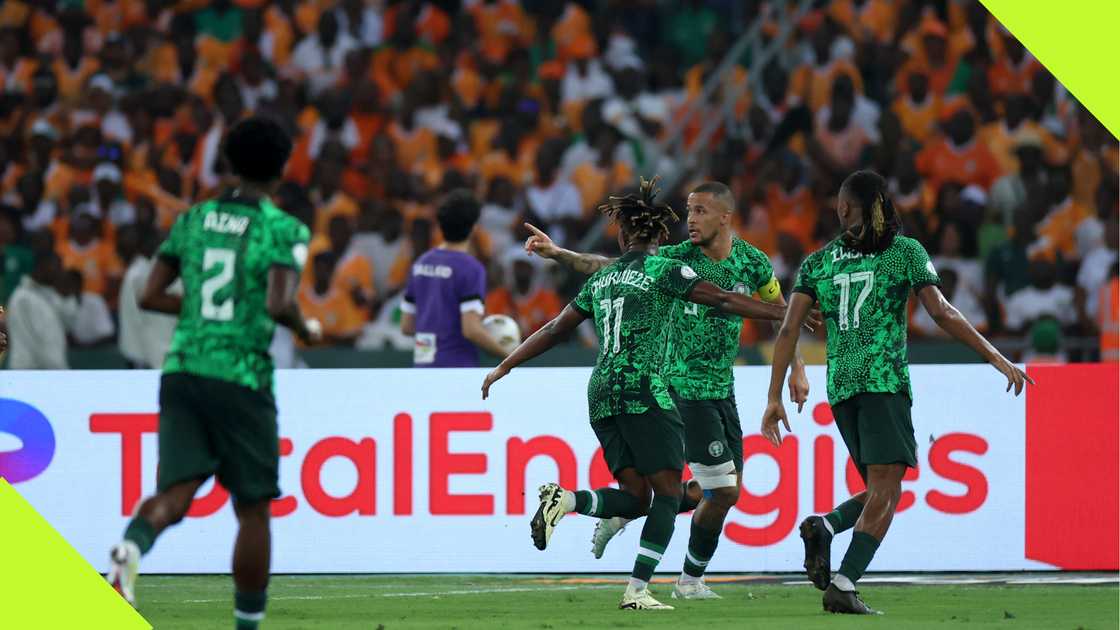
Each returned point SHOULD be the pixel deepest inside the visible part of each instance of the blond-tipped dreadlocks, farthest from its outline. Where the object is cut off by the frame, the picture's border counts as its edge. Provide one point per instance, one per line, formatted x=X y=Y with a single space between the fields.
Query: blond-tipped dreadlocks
x=640 y=217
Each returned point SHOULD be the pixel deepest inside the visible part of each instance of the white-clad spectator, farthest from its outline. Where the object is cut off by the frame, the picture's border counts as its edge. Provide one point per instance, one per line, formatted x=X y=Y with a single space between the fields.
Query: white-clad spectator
x=361 y=20
x=321 y=55
x=1043 y=298
x=1097 y=244
x=144 y=336
x=38 y=318
x=253 y=81
x=966 y=301
x=585 y=77
x=553 y=200
x=38 y=212
x=108 y=198
x=92 y=324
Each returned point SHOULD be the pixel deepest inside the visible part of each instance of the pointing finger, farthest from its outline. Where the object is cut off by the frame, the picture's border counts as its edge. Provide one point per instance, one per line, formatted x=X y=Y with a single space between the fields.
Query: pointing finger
x=535 y=230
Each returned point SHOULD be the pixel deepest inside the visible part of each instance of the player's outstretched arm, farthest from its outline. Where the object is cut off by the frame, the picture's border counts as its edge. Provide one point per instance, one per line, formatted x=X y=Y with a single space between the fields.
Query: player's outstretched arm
x=541 y=244
x=951 y=321
x=709 y=294
x=548 y=336
x=784 y=347
x=283 y=282
x=155 y=296
x=798 y=381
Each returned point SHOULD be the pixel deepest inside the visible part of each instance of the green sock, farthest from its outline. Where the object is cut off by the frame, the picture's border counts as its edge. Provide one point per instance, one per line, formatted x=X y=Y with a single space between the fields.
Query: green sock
x=656 y=533
x=608 y=502
x=687 y=504
x=701 y=547
x=844 y=516
x=248 y=609
x=859 y=555
x=140 y=532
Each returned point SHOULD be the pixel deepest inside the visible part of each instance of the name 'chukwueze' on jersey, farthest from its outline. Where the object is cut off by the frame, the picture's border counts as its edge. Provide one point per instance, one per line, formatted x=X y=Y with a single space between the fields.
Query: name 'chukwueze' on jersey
x=705 y=340
x=630 y=301
x=224 y=248
x=863 y=299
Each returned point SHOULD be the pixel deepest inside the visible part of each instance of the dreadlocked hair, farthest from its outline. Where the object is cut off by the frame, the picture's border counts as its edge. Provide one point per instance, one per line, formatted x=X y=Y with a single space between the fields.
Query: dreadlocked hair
x=880 y=221
x=640 y=217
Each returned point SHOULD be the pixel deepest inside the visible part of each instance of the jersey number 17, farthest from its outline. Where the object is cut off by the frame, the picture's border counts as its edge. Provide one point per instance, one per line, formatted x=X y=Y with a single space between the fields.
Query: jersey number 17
x=845 y=280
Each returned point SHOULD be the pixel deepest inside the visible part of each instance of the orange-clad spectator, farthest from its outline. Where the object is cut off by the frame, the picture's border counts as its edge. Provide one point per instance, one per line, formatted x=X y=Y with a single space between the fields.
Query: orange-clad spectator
x=574 y=24
x=93 y=256
x=1057 y=230
x=840 y=138
x=523 y=297
x=917 y=109
x=394 y=65
x=276 y=41
x=866 y=20
x=1013 y=71
x=933 y=56
x=430 y=23
x=412 y=143
x=813 y=82
x=326 y=190
x=353 y=272
x=1003 y=136
x=957 y=156
x=790 y=204
x=501 y=25
x=73 y=67
x=322 y=299
x=420 y=240
x=604 y=175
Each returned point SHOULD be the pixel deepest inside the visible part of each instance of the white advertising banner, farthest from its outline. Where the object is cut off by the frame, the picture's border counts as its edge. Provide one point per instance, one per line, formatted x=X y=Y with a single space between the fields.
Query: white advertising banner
x=410 y=471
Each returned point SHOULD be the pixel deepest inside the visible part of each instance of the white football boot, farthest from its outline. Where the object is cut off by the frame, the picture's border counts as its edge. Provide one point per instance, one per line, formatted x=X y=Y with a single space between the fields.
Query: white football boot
x=694 y=590
x=605 y=530
x=555 y=503
x=634 y=599
x=124 y=567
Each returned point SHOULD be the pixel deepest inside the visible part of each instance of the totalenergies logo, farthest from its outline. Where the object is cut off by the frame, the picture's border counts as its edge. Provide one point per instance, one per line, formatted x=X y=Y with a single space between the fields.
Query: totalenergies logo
x=36 y=441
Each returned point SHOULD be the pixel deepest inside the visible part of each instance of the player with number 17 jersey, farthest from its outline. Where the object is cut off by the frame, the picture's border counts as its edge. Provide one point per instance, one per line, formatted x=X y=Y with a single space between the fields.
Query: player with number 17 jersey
x=224 y=249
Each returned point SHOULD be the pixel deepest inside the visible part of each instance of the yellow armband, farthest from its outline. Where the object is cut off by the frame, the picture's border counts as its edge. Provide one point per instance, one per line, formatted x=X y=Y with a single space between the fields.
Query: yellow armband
x=771 y=291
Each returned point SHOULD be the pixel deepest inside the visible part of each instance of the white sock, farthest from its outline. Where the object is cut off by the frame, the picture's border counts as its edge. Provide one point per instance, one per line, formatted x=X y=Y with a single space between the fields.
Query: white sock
x=637 y=585
x=568 y=500
x=828 y=526
x=843 y=583
x=689 y=579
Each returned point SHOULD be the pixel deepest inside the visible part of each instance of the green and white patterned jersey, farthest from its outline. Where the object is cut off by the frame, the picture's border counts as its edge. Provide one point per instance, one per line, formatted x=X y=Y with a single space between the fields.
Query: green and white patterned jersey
x=224 y=248
x=631 y=301
x=705 y=340
x=863 y=299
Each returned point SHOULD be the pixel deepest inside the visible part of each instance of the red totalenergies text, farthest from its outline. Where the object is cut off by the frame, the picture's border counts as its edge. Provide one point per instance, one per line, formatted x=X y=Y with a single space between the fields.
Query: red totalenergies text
x=362 y=452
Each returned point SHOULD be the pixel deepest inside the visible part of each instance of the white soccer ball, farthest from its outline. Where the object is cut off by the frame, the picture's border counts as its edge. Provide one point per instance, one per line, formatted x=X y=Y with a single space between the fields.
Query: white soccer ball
x=504 y=329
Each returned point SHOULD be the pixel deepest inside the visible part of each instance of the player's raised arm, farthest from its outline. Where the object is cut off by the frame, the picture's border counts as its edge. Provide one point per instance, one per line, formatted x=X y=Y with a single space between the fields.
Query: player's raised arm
x=539 y=342
x=951 y=321
x=709 y=294
x=541 y=244
x=784 y=346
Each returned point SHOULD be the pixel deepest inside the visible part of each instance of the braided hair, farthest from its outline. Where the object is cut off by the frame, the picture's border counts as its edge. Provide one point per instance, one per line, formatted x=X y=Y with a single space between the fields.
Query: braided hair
x=881 y=222
x=639 y=216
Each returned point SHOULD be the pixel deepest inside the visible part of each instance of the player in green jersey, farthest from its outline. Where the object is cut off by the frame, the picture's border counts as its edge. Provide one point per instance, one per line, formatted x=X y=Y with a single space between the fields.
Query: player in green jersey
x=632 y=412
x=863 y=280
x=239 y=258
x=698 y=366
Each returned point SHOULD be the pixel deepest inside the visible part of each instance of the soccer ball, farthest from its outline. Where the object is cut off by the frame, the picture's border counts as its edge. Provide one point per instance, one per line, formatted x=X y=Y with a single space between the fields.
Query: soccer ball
x=504 y=330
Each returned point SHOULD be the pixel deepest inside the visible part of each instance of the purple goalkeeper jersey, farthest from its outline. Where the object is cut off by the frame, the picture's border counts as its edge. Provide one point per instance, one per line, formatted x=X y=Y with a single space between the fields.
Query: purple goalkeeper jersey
x=442 y=285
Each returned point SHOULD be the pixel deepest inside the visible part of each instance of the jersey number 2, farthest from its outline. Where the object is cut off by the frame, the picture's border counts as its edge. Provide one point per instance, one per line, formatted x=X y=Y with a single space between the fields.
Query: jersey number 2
x=612 y=308
x=845 y=281
x=227 y=259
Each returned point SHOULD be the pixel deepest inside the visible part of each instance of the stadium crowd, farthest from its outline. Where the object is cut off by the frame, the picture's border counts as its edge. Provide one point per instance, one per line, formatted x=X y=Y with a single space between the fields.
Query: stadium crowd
x=113 y=112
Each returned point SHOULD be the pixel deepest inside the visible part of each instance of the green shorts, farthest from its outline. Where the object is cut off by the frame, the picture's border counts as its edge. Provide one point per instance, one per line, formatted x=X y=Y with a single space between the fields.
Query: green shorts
x=212 y=427
x=877 y=430
x=713 y=438
x=648 y=442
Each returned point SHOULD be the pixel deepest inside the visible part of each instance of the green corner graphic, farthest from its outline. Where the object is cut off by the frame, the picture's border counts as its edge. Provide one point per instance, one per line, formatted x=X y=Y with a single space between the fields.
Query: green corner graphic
x=1077 y=42
x=46 y=583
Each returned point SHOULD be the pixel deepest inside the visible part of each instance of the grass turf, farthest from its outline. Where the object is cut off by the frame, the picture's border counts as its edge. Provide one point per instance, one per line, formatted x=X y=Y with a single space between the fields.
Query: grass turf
x=491 y=601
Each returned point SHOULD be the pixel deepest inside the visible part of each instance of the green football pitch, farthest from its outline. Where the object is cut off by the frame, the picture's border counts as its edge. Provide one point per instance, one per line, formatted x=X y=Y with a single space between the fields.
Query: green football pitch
x=389 y=602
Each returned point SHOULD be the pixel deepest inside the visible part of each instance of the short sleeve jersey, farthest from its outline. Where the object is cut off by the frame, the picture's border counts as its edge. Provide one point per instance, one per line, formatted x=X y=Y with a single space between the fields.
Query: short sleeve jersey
x=863 y=300
x=705 y=340
x=630 y=301
x=442 y=285
x=224 y=249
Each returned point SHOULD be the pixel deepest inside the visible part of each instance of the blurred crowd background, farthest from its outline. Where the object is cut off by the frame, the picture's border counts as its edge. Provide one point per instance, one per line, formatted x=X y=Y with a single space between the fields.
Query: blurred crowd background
x=112 y=113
